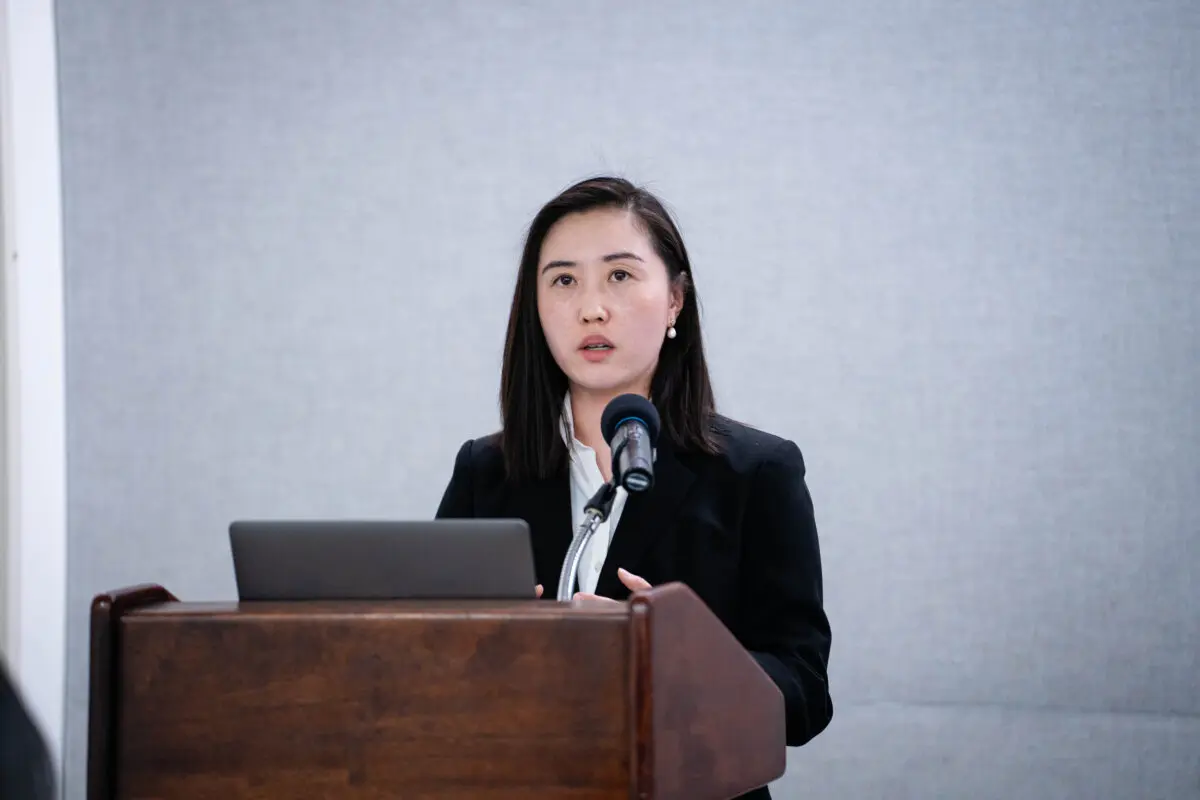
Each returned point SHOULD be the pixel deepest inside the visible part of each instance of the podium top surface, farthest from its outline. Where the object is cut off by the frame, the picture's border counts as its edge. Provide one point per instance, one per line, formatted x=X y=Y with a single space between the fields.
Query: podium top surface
x=525 y=609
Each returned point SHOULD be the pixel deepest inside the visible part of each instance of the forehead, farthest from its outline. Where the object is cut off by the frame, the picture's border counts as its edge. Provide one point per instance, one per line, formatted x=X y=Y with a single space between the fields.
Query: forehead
x=589 y=235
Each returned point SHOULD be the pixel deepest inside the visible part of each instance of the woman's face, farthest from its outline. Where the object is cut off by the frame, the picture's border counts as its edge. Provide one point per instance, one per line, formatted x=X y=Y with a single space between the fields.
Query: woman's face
x=605 y=301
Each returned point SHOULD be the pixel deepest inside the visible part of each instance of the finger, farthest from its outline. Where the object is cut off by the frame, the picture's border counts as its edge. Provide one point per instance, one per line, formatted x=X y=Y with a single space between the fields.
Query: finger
x=588 y=597
x=537 y=590
x=633 y=582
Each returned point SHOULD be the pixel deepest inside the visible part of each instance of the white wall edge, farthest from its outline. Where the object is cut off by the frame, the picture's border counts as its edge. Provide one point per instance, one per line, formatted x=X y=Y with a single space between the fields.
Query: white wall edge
x=35 y=363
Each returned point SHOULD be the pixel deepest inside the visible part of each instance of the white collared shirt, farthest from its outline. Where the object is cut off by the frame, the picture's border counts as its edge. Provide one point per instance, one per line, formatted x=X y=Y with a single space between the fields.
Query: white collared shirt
x=586 y=480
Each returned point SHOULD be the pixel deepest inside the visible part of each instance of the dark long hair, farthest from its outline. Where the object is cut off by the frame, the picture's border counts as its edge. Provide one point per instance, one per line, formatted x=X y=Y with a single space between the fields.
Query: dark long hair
x=532 y=385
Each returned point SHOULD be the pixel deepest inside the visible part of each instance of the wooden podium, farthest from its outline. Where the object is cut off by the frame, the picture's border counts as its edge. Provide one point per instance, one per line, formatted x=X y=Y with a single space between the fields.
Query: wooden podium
x=653 y=698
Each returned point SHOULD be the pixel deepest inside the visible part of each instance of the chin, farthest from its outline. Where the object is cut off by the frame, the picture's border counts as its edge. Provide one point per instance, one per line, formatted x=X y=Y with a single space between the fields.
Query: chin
x=592 y=384
x=603 y=381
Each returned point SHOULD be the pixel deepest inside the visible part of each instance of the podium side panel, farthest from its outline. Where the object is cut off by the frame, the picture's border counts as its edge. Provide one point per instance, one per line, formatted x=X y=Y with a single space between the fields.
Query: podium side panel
x=374 y=706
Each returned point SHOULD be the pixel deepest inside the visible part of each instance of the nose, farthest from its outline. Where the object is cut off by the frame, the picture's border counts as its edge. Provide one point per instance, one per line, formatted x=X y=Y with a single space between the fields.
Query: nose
x=592 y=307
x=593 y=313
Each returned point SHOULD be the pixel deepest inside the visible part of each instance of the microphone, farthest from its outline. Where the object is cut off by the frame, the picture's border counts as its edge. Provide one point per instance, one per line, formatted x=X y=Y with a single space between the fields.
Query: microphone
x=630 y=425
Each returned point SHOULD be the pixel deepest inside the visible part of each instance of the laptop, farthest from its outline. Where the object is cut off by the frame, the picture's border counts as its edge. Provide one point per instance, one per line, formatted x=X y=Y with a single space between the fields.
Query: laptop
x=378 y=560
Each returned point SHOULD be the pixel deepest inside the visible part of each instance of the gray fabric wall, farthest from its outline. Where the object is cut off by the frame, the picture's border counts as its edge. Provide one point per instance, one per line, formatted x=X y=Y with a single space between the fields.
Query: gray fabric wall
x=951 y=249
x=5 y=348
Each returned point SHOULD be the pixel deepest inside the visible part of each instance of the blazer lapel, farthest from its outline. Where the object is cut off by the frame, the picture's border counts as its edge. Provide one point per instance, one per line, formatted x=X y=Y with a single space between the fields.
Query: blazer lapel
x=646 y=517
x=546 y=506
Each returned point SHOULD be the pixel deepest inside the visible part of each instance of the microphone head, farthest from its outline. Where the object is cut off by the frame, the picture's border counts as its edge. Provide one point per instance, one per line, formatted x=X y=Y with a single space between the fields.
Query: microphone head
x=625 y=407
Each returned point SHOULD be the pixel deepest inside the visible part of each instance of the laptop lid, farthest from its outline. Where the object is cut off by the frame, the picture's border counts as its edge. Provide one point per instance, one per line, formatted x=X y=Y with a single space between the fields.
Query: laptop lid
x=382 y=560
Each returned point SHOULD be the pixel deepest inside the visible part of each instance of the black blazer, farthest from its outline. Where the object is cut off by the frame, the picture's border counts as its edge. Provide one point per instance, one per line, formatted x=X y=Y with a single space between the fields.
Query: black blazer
x=737 y=528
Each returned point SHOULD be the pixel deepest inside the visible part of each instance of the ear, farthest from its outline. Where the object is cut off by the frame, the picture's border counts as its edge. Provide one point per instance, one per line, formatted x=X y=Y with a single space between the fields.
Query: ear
x=678 y=292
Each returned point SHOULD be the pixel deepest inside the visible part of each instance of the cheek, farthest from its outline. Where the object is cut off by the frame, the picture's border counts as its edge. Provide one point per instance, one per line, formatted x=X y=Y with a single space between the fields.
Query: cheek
x=646 y=313
x=556 y=324
x=644 y=326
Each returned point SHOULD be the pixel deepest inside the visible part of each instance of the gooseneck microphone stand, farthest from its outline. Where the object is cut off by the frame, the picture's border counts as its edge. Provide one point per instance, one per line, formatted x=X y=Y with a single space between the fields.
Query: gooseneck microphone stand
x=595 y=512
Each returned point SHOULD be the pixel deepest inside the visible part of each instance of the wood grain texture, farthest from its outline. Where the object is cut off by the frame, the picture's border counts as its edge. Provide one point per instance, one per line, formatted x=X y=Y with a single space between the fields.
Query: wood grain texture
x=107 y=610
x=641 y=738
x=716 y=720
x=649 y=699
x=446 y=700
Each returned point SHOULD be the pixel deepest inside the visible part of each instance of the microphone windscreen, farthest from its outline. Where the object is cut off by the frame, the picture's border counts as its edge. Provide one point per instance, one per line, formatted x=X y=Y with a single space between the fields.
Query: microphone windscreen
x=626 y=407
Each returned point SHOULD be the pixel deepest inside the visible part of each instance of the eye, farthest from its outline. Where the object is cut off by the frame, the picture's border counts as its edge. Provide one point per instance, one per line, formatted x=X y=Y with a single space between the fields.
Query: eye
x=565 y=279
x=620 y=275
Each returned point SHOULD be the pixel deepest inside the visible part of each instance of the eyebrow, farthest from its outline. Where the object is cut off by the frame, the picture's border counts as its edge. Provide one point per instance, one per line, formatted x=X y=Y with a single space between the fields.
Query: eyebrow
x=622 y=256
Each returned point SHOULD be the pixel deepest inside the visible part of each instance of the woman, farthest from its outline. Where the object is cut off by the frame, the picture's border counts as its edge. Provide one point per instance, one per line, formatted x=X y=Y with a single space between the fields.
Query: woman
x=605 y=305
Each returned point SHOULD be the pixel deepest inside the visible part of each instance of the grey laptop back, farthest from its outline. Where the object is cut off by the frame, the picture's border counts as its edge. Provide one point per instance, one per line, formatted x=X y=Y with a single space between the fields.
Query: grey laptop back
x=377 y=560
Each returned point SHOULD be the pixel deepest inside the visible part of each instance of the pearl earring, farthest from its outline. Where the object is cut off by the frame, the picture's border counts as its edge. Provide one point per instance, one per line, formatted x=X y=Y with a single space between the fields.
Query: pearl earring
x=671 y=331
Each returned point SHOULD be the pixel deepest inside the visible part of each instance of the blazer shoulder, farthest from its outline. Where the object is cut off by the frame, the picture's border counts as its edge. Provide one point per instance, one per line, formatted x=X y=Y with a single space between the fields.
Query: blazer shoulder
x=745 y=449
x=483 y=456
x=478 y=466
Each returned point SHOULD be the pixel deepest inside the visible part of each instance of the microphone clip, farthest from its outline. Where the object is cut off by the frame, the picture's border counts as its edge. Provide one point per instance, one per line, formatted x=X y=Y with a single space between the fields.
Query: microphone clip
x=601 y=502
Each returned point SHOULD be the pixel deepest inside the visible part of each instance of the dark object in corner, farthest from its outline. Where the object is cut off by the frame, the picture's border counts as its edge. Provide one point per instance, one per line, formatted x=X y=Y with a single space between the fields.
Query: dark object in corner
x=25 y=769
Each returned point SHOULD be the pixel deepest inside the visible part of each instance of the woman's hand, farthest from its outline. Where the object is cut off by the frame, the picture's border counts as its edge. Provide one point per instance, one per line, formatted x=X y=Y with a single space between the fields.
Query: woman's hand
x=632 y=582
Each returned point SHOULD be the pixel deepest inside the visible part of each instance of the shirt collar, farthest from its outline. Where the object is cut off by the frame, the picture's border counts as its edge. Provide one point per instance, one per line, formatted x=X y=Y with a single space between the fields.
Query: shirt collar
x=568 y=427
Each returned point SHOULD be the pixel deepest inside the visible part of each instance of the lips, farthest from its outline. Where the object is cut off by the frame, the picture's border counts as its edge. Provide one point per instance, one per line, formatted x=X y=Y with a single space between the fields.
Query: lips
x=596 y=344
x=596 y=349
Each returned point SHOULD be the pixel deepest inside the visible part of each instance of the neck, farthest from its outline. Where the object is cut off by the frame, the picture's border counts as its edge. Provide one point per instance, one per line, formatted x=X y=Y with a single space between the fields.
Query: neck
x=587 y=407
